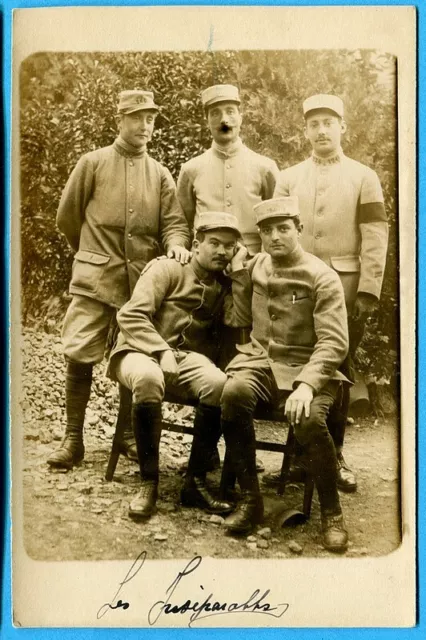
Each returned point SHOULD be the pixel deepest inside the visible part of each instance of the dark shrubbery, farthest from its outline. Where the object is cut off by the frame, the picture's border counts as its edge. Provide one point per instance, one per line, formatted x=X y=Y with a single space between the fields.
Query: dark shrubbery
x=68 y=104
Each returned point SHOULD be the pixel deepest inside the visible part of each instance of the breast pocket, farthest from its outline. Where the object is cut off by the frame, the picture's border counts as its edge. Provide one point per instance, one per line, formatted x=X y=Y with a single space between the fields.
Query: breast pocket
x=294 y=323
x=88 y=269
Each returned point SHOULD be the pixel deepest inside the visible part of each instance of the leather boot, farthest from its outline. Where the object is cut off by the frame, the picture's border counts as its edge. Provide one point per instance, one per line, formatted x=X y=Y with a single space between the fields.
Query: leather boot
x=346 y=480
x=195 y=493
x=336 y=423
x=323 y=466
x=124 y=424
x=77 y=392
x=334 y=534
x=143 y=505
x=241 y=447
x=207 y=431
x=248 y=513
x=146 y=422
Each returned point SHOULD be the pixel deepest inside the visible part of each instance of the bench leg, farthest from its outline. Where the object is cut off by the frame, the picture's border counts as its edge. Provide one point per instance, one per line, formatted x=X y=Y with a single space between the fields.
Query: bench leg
x=287 y=460
x=308 y=495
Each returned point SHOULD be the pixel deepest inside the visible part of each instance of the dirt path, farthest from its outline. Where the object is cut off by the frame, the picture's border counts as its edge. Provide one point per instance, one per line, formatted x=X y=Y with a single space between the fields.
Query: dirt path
x=79 y=516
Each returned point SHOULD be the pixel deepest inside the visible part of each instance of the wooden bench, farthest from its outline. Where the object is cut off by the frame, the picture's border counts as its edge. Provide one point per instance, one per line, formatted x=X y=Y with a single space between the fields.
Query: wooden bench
x=286 y=448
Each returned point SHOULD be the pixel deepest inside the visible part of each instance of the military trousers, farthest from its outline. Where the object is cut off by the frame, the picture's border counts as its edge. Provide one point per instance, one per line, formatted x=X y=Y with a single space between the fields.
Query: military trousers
x=86 y=328
x=199 y=379
x=246 y=386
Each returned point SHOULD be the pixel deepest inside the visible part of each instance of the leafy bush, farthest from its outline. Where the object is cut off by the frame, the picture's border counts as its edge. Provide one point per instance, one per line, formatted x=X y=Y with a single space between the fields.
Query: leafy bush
x=68 y=104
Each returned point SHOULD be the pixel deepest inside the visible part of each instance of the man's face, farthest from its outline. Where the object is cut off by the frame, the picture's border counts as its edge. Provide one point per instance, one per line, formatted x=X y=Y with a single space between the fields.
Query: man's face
x=224 y=120
x=137 y=128
x=324 y=130
x=280 y=236
x=216 y=251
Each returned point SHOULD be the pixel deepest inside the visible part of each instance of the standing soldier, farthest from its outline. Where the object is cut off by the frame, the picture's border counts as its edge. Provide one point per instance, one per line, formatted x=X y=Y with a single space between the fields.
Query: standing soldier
x=345 y=224
x=118 y=207
x=229 y=176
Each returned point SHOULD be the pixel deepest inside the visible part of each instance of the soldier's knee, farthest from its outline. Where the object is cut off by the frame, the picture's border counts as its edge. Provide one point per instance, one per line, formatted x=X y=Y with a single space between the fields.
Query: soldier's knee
x=212 y=391
x=148 y=387
x=311 y=429
x=237 y=395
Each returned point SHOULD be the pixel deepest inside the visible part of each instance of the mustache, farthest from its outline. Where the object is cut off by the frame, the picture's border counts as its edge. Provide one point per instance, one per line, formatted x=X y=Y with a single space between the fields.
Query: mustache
x=225 y=128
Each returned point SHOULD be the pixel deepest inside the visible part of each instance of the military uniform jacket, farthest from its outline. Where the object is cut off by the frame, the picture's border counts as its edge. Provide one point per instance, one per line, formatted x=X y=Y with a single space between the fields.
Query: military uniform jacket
x=173 y=306
x=116 y=211
x=299 y=319
x=233 y=182
x=344 y=220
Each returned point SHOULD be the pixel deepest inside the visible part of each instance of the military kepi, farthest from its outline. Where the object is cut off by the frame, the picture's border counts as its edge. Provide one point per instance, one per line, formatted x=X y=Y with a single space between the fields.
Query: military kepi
x=220 y=93
x=135 y=100
x=285 y=207
x=216 y=220
x=324 y=101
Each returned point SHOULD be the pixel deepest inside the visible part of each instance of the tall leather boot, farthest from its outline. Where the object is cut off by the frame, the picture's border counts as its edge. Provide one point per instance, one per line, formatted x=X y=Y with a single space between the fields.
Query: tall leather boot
x=124 y=424
x=336 y=422
x=207 y=431
x=241 y=446
x=146 y=421
x=77 y=392
x=323 y=466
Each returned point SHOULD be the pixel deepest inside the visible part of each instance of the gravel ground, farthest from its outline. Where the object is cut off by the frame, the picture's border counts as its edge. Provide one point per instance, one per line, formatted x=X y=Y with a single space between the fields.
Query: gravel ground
x=77 y=515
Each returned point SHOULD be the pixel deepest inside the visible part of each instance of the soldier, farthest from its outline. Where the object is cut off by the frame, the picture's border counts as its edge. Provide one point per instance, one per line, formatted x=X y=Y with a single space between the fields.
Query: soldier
x=345 y=224
x=118 y=207
x=229 y=176
x=167 y=341
x=298 y=342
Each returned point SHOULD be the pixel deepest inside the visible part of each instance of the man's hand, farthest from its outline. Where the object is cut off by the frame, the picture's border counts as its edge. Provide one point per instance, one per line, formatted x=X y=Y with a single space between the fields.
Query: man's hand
x=180 y=254
x=365 y=305
x=240 y=256
x=300 y=399
x=169 y=367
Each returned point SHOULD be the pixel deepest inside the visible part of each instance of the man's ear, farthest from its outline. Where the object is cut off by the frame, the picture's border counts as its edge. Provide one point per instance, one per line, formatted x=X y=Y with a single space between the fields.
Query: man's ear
x=300 y=229
x=195 y=245
x=343 y=127
x=305 y=131
x=118 y=118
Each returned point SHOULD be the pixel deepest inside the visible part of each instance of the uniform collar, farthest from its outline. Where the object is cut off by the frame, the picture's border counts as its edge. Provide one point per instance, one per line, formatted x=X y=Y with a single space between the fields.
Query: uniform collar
x=332 y=159
x=291 y=260
x=127 y=150
x=227 y=152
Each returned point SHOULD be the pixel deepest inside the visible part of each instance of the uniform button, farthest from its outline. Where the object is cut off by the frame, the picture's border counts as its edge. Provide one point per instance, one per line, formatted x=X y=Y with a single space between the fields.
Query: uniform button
x=131 y=187
x=228 y=203
x=128 y=259
x=320 y=212
x=130 y=210
x=273 y=317
x=228 y=166
x=227 y=186
x=318 y=235
x=131 y=163
x=129 y=235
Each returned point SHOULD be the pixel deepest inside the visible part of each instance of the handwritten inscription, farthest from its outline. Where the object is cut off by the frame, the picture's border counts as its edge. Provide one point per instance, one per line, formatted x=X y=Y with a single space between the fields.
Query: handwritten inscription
x=198 y=608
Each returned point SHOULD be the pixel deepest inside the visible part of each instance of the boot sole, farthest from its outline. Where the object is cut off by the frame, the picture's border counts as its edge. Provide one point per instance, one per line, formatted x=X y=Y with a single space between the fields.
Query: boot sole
x=139 y=517
x=56 y=464
x=347 y=488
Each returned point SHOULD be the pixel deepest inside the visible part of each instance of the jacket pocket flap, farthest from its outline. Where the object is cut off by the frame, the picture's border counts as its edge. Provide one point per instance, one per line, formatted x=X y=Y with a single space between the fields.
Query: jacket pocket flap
x=93 y=258
x=345 y=264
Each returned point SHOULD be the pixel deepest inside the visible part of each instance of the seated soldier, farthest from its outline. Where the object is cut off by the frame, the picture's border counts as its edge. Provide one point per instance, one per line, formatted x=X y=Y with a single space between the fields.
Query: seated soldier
x=298 y=341
x=167 y=341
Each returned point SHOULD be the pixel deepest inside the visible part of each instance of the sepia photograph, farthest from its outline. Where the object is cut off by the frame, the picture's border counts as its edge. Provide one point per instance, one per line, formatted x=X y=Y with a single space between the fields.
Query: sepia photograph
x=209 y=247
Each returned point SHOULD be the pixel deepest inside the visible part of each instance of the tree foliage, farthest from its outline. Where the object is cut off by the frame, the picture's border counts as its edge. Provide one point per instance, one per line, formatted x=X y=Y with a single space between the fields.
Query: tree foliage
x=68 y=106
